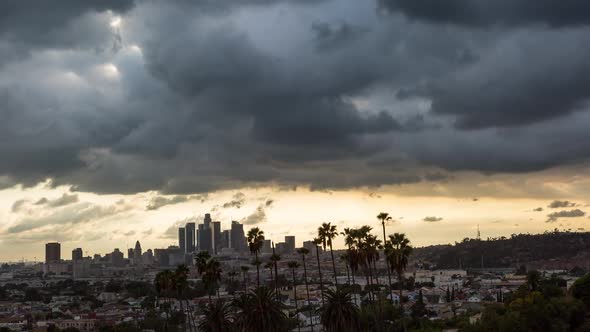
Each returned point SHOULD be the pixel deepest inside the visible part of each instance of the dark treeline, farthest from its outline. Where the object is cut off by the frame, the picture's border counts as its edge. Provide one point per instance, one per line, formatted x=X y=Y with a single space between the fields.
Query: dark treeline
x=506 y=251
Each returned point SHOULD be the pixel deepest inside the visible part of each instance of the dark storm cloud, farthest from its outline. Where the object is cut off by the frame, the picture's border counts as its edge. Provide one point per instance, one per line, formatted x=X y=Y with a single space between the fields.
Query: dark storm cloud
x=332 y=36
x=28 y=24
x=483 y=13
x=237 y=201
x=553 y=217
x=507 y=88
x=206 y=95
x=161 y=201
x=561 y=204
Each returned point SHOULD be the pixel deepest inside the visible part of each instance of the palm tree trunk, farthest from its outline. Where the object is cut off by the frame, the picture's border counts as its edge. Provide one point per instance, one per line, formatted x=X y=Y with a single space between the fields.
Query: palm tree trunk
x=347 y=273
x=295 y=297
x=257 y=271
x=387 y=262
x=379 y=304
x=307 y=289
x=317 y=250
x=334 y=266
x=401 y=306
x=369 y=280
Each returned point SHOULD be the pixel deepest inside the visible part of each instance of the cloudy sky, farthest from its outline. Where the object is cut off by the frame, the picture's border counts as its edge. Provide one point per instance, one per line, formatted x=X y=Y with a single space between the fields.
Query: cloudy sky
x=121 y=119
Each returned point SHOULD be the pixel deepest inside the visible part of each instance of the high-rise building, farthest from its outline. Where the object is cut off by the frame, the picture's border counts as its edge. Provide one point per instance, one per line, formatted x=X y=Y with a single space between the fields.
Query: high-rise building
x=52 y=252
x=130 y=253
x=148 y=257
x=161 y=257
x=310 y=245
x=289 y=245
x=281 y=248
x=137 y=253
x=182 y=239
x=77 y=254
x=225 y=239
x=266 y=247
x=206 y=235
x=117 y=258
x=217 y=236
x=189 y=230
x=237 y=238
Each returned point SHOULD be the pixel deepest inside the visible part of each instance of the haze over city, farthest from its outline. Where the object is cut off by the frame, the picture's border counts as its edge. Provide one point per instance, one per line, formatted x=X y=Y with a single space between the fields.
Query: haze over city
x=122 y=120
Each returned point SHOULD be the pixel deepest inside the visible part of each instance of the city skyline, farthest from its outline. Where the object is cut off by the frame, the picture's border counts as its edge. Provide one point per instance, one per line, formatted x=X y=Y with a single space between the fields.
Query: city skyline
x=121 y=120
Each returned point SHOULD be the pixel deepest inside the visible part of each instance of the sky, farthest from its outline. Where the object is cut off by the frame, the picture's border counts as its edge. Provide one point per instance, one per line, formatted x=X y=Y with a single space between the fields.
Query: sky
x=122 y=119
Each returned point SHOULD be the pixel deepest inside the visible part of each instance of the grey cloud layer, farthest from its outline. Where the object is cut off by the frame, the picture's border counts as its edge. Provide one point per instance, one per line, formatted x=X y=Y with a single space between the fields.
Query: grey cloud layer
x=205 y=95
x=482 y=13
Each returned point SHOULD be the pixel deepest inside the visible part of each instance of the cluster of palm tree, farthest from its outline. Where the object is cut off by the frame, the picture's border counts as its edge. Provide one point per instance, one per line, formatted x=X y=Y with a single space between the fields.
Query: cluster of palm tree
x=253 y=311
x=210 y=271
x=173 y=285
x=260 y=308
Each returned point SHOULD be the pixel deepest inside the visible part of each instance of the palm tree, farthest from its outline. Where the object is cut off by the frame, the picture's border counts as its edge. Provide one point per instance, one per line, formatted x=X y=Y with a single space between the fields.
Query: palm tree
x=327 y=232
x=339 y=314
x=217 y=317
x=163 y=283
x=179 y=285
x=384 y=217
x=293 y=265
x=212 y=275
x=270 y=266
x=318 y=242
x=344 y=258
x=259 y=310
x=303 y=252
x=350 y=240
x=398 y=251
x=255 y=241
x=533 y=278
x=244 y=270
x=275 y=258
x=201 y=261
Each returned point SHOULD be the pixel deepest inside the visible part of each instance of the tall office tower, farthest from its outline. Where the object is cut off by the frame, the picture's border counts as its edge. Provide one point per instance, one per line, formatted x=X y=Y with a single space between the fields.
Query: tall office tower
x=217 y=236
x=206 y=237
x=52 y=252
x=237 y=238
x=225 y=239
x=148 y=257
x=266 y=247
x=189 y=229
x=182 y=239
x=137 y=253
x=77 y=254
x=310 y=245
x=117 y=258
x=130 y=253
x=289 y=245
x=281 y=248
x=161 y=257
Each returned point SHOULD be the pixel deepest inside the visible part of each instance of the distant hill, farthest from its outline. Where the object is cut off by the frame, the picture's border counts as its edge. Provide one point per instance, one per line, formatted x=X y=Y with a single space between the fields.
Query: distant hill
x=551 y=250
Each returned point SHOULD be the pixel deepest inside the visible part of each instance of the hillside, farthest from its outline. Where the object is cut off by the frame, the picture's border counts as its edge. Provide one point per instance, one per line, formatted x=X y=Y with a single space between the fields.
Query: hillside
x=549 y=250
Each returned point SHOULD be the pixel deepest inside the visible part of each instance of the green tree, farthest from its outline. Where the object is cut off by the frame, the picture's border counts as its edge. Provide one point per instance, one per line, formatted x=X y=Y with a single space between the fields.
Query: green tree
x=581 y=289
